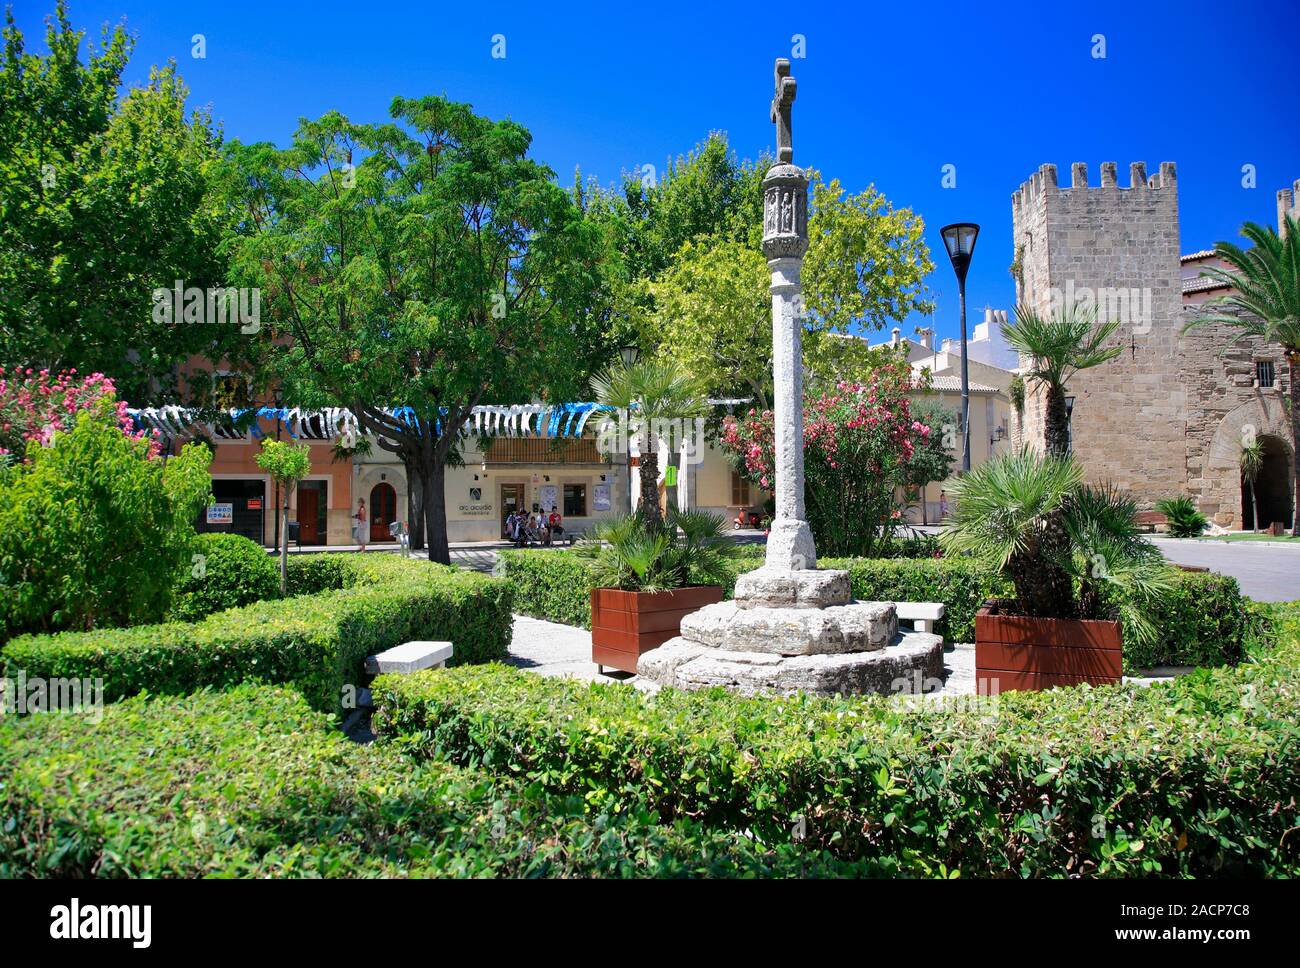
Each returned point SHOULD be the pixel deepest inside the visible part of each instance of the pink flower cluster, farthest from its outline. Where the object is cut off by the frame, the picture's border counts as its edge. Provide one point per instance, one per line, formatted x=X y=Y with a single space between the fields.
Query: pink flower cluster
x=36 y=404
x=868 y=426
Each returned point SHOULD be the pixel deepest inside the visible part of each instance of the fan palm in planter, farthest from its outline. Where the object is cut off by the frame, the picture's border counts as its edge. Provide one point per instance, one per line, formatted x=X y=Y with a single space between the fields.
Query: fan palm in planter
x=647 y=578
x=1057 y=346
x=656 y=395
x=1077 y=561
x=1264 y=301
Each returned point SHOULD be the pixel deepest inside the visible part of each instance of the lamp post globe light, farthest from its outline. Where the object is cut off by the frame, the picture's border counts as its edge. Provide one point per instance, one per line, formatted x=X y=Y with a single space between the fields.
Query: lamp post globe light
x=630 y=353
x=959 y=238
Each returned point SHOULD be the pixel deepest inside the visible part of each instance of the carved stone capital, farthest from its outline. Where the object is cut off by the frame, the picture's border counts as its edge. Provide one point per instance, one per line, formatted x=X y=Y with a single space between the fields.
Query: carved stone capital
x=785 y=212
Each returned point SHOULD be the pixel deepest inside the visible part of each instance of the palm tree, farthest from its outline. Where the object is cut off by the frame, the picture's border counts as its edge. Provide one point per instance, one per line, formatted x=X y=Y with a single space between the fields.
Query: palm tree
x=1058 y=346
x=1264 y=302
x=695 y=549
x=1030 y=516
x=656 y=395
x=1252 y=462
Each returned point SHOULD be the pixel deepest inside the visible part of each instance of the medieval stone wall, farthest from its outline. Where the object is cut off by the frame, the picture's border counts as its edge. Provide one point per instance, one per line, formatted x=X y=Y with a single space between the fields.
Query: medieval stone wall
x=1167 y=416
x=1116 y=248
x=1226 y=408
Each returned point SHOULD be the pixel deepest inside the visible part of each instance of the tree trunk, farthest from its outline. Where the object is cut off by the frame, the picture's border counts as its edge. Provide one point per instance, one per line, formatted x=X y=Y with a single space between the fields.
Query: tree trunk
x=1254 y=509
x=1056 y=423
x=284 y=544
x=414 y=502
x=649 y=469
x=1044 y=589
x=435 y=510
x=1293 y=368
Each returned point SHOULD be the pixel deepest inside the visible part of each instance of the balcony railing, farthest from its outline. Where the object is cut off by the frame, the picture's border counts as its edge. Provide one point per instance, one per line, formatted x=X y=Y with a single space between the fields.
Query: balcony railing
x=532 y=450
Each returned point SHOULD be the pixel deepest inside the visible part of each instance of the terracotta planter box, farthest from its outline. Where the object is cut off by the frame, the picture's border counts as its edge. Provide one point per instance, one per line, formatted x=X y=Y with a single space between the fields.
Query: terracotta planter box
x=1020 y=652
x=625 y=625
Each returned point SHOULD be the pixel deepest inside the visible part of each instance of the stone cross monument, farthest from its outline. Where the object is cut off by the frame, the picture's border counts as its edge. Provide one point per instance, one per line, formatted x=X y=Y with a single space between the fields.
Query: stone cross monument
x=785 y=240
x=790 y=625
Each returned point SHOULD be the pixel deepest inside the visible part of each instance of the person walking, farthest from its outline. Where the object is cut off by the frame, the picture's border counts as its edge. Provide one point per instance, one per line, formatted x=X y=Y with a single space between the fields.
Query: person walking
x=360 y=525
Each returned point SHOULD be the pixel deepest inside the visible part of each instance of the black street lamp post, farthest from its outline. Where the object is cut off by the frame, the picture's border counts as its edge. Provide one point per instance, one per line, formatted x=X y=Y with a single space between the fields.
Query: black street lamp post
x=960 y=240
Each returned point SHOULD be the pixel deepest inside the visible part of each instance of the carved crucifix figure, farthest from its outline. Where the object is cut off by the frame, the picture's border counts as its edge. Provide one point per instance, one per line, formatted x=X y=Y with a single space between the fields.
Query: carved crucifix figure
x=781 y=107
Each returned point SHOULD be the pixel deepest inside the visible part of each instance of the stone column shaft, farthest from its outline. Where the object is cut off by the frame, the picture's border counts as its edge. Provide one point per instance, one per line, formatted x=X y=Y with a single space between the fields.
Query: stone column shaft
x=785 y=239
x=787 y=366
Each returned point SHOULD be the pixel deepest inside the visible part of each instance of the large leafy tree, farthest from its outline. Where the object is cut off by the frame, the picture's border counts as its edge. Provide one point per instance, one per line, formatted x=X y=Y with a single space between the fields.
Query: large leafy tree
x=1264 y=301
x=102 y=200
x=865 y=266
x=414 y=270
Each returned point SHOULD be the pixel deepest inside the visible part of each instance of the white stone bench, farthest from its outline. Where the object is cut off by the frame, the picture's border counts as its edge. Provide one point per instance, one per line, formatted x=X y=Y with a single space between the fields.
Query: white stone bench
x=409 y=657
x=922 y=615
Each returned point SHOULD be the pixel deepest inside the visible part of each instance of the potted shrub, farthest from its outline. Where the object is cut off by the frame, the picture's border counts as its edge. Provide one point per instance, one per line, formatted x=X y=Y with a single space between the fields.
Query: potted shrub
x=648 y=578
x=1081 y=570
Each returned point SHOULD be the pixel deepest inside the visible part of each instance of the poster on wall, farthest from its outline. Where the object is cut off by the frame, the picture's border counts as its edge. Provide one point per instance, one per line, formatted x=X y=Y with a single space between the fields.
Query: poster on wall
x=600 y=497
x=547 y=499
x=221 y=513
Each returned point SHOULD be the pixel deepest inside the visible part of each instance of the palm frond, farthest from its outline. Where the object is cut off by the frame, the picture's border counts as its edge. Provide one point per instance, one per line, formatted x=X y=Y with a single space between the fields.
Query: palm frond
x=1000 y=508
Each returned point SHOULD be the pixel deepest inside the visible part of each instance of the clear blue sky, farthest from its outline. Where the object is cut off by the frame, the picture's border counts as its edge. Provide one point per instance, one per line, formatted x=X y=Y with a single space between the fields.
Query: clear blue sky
x=888 y=93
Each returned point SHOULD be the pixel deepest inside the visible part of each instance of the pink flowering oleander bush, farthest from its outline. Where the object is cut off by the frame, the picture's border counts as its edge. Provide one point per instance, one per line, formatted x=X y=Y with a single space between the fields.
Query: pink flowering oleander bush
x=94 y=526
x=37 y=404
x=859 y=441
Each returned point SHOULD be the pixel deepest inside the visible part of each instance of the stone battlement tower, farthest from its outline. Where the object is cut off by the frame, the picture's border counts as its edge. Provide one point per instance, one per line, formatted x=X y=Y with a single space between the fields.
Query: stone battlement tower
x=1115 y=249
x=1288 y=205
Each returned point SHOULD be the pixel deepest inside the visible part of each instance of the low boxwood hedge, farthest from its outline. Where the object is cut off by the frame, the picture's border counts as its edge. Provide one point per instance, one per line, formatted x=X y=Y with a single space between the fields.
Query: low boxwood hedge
x=224 y=571
x=1206 y=621
x=1196 y=777
x=252 y=783
x=315 y=642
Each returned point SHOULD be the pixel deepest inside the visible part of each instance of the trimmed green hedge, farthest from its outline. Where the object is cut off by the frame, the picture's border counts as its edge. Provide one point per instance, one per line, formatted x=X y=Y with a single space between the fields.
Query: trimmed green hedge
x=224 y=571
x=1205 y=622
x=252 y=783
x=315 y=642
x=1198 y=777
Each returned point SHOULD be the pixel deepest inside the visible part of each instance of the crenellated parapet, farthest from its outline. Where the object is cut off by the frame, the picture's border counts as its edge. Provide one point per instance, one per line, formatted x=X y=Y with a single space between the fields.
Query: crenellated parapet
x=1044 y=184
x=1288 y=205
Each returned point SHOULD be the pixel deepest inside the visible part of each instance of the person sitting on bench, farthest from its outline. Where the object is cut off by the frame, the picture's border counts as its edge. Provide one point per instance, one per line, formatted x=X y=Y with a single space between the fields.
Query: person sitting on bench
x=555 y=524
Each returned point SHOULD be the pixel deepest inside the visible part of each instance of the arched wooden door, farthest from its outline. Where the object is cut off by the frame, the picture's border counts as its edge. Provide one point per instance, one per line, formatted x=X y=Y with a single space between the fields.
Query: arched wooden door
x=383 y=511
